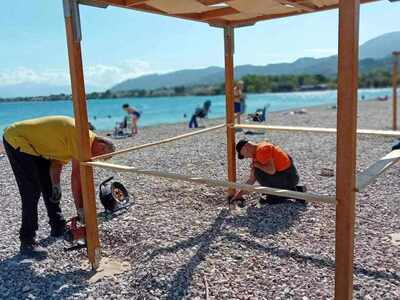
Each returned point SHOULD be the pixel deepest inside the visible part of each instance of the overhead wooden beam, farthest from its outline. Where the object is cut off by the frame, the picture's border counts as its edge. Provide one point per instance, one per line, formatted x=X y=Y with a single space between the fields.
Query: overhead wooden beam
x=296 y=4
x=318 y=3
x=349 y=12
x=216 y=13
x=135 y=2
x=230 y=112
x=213 y=2
x=284 y=15
x=72 y=24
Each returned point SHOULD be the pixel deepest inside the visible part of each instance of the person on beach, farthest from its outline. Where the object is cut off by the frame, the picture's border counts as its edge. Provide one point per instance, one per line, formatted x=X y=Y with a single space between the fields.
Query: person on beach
x=200 y=112
x=239 y=99
x=134 y=116
x=270 y=167
x=37 y=150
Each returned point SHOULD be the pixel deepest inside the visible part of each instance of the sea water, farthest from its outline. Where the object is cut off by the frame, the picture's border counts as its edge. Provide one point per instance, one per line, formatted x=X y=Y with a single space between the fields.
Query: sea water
x=105 y=113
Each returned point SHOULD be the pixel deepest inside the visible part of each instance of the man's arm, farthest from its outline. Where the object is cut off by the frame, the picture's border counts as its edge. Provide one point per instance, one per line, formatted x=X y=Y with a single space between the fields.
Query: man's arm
x=76 y=185
x=252 y=179
x=268 y=168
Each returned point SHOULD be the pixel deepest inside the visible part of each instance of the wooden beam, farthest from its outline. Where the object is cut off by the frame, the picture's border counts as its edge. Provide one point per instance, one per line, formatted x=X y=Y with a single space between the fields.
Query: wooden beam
x=376 y=169
x=230 y=112
x=394 y=83
x=213 y=2
x=82 y=128
x=295 y=4
x=284 y=15
x=169 y=140
x=130 y=3
x=309 y=196
x=349 y=11
x=374 y=132
x=216 y=13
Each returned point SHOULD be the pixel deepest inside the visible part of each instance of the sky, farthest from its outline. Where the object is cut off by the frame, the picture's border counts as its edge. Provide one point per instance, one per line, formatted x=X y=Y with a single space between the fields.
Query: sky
x=119 y=44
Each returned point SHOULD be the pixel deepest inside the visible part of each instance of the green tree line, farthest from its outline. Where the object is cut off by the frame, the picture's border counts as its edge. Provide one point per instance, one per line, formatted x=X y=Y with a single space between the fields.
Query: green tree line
x=290 y=83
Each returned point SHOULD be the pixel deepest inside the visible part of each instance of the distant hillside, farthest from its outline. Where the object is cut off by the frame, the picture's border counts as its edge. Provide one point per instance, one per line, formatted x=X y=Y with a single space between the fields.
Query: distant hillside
x=325 y=66
x=373 y=54
x=381 y=46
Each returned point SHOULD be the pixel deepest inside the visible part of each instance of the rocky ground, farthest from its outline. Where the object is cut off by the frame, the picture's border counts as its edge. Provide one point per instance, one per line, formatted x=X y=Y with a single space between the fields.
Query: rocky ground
x=181 y=240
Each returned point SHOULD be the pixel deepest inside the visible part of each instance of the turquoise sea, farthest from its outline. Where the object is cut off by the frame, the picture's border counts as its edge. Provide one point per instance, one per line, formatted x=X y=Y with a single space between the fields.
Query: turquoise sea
x=104 y=114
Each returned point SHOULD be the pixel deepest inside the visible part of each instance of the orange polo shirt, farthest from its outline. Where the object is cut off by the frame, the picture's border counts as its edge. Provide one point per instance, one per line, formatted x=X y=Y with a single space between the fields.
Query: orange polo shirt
x=267 y=151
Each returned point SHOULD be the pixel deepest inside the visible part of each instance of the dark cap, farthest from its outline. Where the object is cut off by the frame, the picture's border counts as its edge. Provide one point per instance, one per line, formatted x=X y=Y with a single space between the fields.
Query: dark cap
x=239 y=147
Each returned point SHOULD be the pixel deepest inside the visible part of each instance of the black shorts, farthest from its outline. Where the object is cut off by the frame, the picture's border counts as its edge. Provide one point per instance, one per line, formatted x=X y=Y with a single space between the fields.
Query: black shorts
x=286 y=179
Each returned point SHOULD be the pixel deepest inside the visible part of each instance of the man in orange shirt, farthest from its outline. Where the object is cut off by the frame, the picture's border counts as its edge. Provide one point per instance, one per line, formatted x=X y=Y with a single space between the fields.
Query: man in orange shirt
x=270 y=167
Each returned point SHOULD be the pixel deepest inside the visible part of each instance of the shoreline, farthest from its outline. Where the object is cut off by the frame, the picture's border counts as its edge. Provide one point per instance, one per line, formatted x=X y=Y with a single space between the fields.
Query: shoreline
x=24 y=99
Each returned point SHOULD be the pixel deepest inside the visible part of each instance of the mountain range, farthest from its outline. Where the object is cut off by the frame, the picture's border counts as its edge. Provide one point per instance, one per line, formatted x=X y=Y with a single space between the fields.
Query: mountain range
x=374 y=54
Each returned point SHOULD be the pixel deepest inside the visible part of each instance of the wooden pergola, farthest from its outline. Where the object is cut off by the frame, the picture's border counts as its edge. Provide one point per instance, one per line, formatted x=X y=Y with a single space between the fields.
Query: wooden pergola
x=228 y=14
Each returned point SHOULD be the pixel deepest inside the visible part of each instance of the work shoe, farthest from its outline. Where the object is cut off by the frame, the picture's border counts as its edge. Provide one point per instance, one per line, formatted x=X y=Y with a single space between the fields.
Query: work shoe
x=272 y=200
x=302 y=189
x=32 y=250
x=58 y=231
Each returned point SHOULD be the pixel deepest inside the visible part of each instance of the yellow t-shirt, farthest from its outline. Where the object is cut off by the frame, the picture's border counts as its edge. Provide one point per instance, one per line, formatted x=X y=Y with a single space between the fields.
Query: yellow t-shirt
x=53 y=138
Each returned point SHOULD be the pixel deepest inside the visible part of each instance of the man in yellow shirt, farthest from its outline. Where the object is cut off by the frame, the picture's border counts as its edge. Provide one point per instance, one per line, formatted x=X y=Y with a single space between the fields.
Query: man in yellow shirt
x=37 y=150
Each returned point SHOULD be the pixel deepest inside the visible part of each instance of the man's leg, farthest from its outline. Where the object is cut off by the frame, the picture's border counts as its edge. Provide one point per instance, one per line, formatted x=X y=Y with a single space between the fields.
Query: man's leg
x=56 y=219
x=26 y=175
x=280 y=180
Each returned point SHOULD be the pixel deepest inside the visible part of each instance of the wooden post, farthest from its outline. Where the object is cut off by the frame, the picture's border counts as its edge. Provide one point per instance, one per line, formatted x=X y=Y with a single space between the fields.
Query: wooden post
x=346 y=146
x=230 y=112
x=71 y=11
x=394 y=82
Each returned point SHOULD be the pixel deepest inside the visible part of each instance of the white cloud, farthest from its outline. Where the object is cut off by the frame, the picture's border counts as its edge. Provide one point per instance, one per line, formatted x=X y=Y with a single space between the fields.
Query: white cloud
x=101 y=76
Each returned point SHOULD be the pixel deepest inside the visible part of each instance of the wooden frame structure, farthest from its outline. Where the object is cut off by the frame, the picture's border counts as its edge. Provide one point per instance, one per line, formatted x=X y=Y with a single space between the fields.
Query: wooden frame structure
x=229 y=14
x=396 y=56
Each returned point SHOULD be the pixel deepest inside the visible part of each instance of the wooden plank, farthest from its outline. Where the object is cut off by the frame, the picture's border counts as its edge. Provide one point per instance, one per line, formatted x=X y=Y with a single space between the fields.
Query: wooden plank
x=386 y=133
x=376 y=169
x=284 y=15
x=230 y=112
x=216 y=13
x=349 y=11
x=213 y=2
x=296 y=4
x=81 y=123
x=179 y=137
x=132 y=3
x=309 y=196
x=135 y=2
x=394 y=83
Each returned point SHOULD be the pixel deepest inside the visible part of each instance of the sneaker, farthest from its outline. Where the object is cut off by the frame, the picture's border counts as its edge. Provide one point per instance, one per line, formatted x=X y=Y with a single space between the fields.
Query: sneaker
x=32 y=250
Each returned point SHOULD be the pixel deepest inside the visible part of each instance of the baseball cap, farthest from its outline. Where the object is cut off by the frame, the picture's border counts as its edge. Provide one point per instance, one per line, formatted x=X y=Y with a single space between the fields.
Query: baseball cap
x=239 y=147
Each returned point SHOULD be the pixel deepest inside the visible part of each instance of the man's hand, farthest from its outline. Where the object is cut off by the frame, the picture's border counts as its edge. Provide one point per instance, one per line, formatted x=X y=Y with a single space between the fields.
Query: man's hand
x=56 y=194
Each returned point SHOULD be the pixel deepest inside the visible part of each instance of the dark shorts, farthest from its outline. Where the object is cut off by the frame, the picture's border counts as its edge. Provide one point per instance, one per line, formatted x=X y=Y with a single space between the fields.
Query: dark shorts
x=238 y=107
x=287 y=179
x=136 y=114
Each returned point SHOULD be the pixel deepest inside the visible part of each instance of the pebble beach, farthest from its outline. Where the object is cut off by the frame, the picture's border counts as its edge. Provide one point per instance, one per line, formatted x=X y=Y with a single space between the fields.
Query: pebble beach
x=181 y=241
